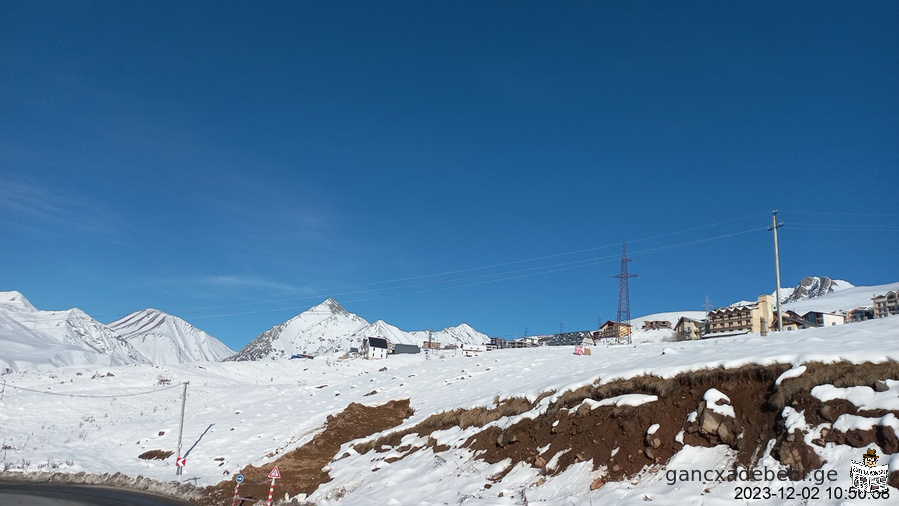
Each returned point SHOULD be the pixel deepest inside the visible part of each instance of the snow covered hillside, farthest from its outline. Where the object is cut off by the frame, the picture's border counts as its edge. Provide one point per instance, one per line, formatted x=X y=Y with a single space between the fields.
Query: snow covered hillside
x=166 y=339
x=329 y=328
x=538 y=425
x=842 y=300
x=31 y=338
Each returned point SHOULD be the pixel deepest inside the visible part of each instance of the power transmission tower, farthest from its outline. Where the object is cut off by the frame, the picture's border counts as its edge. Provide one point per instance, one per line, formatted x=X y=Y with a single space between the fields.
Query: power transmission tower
x=774 y=226
x=624 y=299
x=562 y=328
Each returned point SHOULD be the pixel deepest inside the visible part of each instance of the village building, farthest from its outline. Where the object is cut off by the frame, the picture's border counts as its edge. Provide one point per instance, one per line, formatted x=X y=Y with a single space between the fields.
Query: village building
x=612 y=329
x=578 y=338
x=656 y=325
x=886 y=305
x=861 y=314
x=527 y=341
x=405 y=349
x=688 y=328
x=374 y=348
x=791 y=321
x=822 y=319
x=755 y=317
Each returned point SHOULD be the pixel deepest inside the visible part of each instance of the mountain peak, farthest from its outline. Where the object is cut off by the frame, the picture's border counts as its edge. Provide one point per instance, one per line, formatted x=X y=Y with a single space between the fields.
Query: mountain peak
x=329 y=306
x=816 y=286
x=14 y=297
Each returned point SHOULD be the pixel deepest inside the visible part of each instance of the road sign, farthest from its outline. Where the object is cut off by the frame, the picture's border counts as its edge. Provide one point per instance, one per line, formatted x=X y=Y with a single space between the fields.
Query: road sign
x=239 y=478
x=275 y=473
x=181 y=462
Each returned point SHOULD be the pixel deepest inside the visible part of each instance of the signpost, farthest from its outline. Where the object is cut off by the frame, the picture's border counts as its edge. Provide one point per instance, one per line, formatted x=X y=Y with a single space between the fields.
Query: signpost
x=179 y=462
x=274 y=475
x=239 y=479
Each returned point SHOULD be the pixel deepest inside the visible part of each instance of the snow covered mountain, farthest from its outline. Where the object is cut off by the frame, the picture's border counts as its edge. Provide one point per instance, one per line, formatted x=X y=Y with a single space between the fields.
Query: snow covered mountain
x=32 y=338
x=328 y=328
x=167 y=339
x=815 y=286
x=324 y=328
x=458 y=335
x=450 y=336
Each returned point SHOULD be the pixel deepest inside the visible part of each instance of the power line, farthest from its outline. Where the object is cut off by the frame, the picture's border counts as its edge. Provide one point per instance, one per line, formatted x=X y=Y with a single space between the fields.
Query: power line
x=90 y=396
x=468 y=269
x=841 y=214
x=483 y=278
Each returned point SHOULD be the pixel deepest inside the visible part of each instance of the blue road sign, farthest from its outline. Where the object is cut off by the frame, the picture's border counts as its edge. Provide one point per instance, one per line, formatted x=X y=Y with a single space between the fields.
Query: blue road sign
x=239 y=478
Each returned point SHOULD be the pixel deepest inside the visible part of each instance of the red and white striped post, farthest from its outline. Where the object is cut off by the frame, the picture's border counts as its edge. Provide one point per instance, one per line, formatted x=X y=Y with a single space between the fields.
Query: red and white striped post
x=275 y=474
x=237 y=489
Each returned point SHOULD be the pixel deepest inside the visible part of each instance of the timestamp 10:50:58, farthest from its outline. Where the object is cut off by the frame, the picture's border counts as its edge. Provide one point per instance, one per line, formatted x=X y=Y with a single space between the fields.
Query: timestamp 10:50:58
x=808 y=493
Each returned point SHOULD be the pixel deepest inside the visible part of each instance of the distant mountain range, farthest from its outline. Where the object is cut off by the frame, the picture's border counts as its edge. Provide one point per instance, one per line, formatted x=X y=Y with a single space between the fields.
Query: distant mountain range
x=31 y=338
x=329 y=328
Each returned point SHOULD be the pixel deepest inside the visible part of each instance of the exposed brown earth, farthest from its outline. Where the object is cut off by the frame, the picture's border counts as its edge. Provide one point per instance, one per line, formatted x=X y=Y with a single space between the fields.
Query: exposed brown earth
x=574 y=432
x=301 y=470
x=614 y=437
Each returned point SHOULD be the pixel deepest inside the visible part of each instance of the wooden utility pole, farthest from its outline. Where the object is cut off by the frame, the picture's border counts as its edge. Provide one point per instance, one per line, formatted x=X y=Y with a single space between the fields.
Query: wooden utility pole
x=179 y=469
x=774 y=226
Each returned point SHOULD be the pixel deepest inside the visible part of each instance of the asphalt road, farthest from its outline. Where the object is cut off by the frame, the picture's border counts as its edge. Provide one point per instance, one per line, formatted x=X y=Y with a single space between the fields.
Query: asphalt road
x=48 y=494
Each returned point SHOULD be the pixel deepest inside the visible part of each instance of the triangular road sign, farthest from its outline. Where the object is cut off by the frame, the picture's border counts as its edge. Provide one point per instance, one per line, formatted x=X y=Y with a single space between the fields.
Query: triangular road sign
x=275 y=473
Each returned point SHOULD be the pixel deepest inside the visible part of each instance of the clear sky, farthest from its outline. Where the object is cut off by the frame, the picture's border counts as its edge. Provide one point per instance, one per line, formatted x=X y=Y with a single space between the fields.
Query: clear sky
x=432 y=163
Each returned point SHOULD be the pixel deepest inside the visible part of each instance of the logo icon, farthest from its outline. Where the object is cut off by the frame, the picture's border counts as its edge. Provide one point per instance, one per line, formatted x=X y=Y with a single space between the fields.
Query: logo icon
x=866 y=475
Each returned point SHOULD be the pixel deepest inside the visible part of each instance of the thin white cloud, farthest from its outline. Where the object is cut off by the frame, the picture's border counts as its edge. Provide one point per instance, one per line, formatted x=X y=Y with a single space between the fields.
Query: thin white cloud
x=245 y=282
x=36 y=207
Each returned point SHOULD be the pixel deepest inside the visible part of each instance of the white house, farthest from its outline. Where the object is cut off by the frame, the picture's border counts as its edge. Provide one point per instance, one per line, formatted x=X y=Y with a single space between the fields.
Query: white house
x=374 y=348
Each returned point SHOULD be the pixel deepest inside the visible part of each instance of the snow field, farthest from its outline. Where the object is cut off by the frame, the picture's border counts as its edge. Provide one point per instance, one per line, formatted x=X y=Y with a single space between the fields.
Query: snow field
x=260 y=410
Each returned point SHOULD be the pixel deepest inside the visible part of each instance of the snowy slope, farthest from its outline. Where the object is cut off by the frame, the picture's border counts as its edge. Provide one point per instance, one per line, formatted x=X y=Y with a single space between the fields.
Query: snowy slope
x=383 y=329
x=645 y=336
x=260 y=410
x=842 y=300
x=459 y=335
x=325 y=328
x=167 y=339
x=32 y=338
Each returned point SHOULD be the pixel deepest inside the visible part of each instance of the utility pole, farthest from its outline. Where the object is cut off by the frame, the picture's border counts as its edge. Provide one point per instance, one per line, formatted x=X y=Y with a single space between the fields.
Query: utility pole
x=562 y=328
x=179 y=469
x=774 y=226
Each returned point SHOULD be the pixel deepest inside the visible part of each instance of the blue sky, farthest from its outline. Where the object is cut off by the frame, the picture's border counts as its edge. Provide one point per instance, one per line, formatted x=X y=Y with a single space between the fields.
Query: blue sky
x=432 y=163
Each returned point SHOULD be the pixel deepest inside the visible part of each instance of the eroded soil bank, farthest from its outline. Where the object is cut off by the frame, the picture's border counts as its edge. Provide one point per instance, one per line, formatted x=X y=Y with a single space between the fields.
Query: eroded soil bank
x=625 y=439
x=301 y=469
x=597 y=423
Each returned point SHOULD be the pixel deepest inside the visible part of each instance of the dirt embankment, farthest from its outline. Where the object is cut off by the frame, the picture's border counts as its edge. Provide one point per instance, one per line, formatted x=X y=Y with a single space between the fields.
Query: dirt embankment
x=624 y=439
x=301 y=469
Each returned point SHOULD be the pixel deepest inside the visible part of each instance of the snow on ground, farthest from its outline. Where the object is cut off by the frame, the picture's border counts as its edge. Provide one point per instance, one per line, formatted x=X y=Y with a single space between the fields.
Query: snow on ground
x=98 y=419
